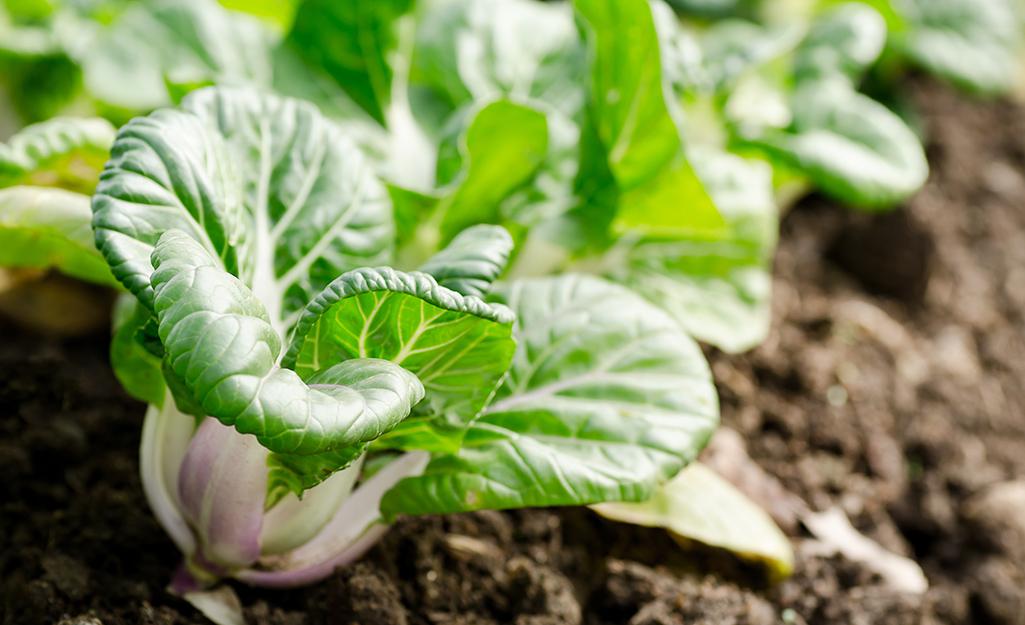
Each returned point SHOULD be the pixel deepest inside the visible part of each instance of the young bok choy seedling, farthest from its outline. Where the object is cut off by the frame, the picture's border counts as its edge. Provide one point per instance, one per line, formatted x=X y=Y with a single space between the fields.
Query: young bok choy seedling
x=312 y=393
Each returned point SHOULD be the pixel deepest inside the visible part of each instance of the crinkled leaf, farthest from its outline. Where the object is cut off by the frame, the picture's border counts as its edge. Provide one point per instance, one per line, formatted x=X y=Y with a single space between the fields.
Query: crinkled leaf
x=472 y=261
x=157 y=44
x=221 y=345
x=472 y=50
x=351 y=41
x=606 y=398
x=276 y=192
x=972 y=43
x=699 y=505
x=852 y=147
x=847 y=39
x=61 y=152
x=47 y=227
x=717 y=288
x=503 y=148
x=459 y=347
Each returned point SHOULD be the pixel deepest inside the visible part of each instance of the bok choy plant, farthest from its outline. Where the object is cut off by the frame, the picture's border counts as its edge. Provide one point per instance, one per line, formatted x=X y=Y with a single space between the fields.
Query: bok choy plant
x=312 y=393
x=456 y=273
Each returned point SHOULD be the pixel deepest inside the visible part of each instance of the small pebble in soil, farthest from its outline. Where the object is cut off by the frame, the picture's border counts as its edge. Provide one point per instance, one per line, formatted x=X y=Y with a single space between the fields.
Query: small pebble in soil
x=836 y=395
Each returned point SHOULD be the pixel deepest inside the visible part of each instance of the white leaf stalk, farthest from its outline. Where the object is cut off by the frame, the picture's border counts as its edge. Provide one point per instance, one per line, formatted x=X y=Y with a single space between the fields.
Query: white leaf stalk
x=207 y=486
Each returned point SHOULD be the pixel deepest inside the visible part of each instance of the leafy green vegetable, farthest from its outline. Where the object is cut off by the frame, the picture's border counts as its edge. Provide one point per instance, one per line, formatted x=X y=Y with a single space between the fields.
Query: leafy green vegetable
x=717 y=288
x=61 y=152
x=221 y=344
x=155 y=51
x=845 y=40
x=139 y=371
x=351 y=42
x=635 y=128
x=46 y=227
x=458 y=346
x=850 y=145
x=453 y=137
x=698 y=504
x=605 y=399
x=973 y=43
x=734 y=47
x=474 y=50
x=472 y=261
x=798 y=107
x=504 y=146
x=273 y=190
x=629 y=107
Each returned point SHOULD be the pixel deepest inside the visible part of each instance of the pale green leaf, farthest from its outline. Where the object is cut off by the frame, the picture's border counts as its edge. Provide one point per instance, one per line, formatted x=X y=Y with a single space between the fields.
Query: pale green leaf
x=502 y=149
x=718 y=288
x=846 y=39
x=733 y=47
x=473 y=50
x=47 y=227
x=61 y=152
x=972 y=43
x=158 y=44
x=699 y=505
x=281 y=13
x=852 y=147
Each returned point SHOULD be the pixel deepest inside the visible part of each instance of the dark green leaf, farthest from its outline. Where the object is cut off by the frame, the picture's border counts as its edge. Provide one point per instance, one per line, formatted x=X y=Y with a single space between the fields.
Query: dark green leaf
x=139 y=371
x=351 y=41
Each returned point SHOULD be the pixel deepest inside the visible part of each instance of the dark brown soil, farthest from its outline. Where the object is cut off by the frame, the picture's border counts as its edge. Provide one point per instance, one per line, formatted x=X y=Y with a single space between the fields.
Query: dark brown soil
x=891 y=385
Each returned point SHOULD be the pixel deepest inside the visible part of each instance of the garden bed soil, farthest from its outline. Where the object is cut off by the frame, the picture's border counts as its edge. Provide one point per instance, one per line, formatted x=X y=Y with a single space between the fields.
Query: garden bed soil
x=891 y=385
